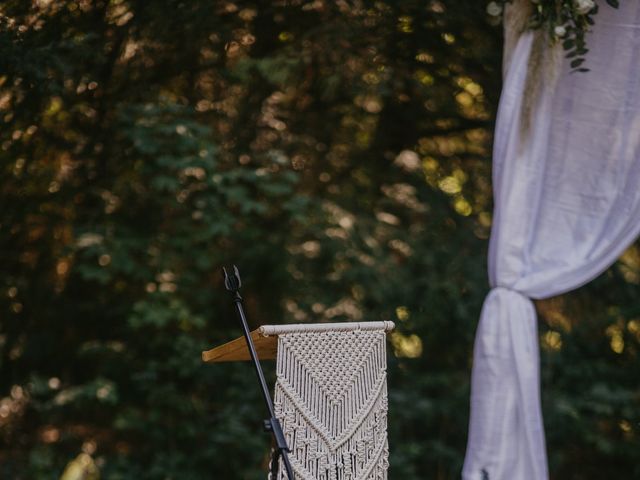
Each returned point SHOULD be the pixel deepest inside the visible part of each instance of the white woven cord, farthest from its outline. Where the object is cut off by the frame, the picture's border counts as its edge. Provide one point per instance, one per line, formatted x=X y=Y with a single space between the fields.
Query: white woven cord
x=331 y=398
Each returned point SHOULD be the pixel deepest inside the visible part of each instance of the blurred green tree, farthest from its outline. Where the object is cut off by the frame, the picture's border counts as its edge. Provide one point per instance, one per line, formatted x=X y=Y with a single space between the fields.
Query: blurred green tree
x=338 y=152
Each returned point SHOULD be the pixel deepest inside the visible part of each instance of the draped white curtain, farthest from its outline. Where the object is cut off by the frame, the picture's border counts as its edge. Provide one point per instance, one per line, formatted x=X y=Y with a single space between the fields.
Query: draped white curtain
x=567 y=204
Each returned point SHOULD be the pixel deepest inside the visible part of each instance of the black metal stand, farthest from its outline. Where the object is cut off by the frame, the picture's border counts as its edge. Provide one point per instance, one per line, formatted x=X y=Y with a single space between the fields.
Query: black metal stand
x=233 y=283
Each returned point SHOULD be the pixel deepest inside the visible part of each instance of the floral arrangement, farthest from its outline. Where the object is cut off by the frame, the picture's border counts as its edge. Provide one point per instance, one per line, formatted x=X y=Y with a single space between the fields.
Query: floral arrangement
x=565 y=20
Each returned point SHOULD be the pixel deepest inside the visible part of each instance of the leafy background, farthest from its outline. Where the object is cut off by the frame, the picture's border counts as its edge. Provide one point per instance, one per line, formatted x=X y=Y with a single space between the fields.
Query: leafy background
x=339 y=153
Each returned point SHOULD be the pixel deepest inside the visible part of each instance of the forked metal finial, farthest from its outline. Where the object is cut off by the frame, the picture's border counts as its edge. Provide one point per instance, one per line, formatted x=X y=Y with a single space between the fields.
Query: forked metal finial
x=232 y=282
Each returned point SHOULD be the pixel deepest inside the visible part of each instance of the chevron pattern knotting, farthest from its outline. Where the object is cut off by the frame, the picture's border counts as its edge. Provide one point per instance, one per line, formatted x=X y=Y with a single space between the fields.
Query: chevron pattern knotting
x=331 y=397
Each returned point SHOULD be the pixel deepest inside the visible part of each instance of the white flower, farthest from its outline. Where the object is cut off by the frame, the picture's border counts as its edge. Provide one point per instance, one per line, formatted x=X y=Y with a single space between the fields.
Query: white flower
x=494 y=9
x=560 y=31
x=583 y=6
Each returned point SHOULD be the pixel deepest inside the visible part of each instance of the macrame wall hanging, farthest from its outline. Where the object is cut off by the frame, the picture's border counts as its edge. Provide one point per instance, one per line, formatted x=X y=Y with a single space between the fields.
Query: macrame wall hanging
x=331 y=398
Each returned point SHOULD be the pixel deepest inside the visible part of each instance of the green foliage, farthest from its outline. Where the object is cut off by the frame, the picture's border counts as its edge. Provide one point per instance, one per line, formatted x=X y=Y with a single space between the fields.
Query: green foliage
x=338 y=153
x=566 y=21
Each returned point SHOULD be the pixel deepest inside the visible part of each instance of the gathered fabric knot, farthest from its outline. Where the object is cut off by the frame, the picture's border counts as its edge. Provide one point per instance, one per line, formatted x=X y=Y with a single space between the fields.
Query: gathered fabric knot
x=497 y=297
x=507 y=289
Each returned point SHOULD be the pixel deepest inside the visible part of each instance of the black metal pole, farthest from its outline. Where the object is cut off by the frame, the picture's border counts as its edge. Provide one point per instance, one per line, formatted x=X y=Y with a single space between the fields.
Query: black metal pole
x=233 y=283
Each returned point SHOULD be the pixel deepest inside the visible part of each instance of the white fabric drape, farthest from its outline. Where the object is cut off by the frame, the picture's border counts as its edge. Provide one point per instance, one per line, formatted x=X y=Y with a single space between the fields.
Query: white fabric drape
x=567 y=204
